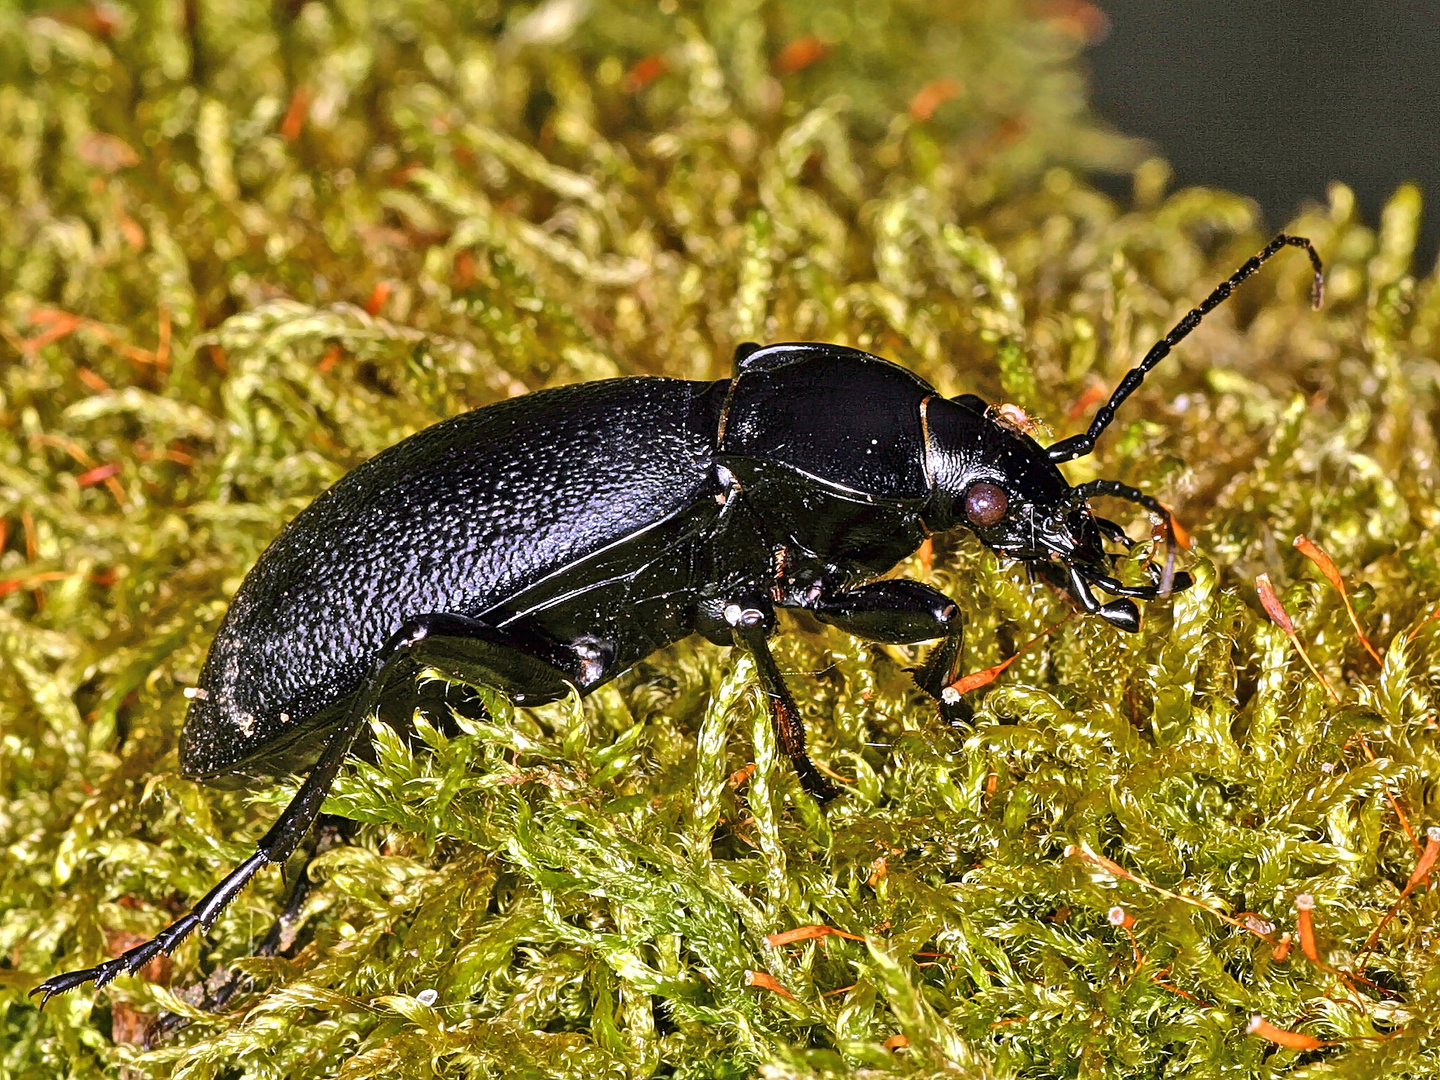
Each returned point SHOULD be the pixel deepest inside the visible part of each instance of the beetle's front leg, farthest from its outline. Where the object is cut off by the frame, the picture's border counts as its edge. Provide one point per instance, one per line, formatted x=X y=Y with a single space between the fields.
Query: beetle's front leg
x=750 y=624
x=898 y=611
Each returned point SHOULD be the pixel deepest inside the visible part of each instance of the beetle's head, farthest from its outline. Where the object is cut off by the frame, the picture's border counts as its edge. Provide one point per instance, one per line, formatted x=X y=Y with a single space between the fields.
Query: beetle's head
x=993 y=479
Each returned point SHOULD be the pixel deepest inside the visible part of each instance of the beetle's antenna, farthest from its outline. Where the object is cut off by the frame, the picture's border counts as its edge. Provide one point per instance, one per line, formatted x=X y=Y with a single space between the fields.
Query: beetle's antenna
x=1080 y=445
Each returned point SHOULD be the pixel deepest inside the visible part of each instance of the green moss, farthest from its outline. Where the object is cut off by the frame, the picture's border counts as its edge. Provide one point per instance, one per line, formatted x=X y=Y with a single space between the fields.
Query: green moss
x=585 y=888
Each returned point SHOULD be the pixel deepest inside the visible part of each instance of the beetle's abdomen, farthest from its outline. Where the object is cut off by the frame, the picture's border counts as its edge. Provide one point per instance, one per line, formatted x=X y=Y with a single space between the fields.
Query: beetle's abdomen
x=454 y=519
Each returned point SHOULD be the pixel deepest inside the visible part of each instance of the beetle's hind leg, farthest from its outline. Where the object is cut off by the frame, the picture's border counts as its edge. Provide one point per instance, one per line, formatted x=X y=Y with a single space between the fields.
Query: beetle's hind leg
x=281 y=940
x=276 y=846
x=528 y=672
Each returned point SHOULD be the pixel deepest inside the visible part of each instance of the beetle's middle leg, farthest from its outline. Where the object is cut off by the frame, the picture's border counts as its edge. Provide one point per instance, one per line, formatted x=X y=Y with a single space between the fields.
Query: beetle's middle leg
x=750 y=625
x=898 y=611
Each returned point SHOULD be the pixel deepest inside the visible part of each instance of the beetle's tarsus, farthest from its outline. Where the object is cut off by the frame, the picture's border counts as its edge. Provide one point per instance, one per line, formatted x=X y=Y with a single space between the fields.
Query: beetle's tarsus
x=128 y=962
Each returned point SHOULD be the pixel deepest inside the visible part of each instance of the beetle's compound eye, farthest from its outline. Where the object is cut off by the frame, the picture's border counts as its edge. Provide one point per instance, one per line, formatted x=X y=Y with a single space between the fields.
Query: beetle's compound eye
x=985 y=503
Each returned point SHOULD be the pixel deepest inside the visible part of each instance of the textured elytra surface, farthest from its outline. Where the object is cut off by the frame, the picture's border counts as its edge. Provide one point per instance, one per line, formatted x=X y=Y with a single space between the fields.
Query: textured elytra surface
x=453 y=520
x=195 y=219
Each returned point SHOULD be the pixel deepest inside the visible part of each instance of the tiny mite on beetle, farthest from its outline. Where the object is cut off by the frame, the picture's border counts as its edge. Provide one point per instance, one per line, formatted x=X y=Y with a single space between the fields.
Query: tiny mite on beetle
x=547 y=543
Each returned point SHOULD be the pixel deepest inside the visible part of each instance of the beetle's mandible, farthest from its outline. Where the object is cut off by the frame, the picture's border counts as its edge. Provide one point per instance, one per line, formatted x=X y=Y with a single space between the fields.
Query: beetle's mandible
x=551 y=541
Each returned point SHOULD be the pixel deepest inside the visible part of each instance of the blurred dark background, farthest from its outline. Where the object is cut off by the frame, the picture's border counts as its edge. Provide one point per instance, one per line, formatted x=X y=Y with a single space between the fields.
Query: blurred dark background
x=1275 y=99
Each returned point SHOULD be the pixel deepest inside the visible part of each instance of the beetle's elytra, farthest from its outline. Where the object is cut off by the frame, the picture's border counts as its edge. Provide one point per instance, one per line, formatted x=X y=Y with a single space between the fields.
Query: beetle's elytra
x=553 y=540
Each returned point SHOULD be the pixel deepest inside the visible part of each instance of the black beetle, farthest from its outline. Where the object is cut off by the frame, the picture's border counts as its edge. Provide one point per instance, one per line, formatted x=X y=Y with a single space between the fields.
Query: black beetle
x=551 y=541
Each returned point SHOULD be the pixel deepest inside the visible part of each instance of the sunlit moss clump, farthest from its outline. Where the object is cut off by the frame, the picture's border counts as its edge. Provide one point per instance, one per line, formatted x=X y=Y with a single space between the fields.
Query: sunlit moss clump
x=241 y=253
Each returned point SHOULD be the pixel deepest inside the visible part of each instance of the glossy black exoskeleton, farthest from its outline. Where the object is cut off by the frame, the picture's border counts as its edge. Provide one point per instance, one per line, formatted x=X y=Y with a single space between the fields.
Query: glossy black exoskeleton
x=551 y=541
